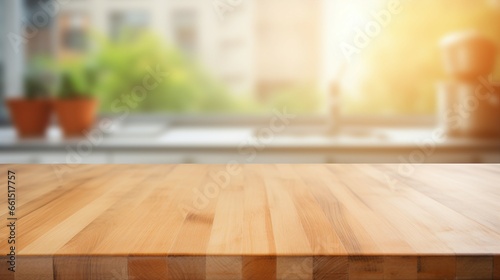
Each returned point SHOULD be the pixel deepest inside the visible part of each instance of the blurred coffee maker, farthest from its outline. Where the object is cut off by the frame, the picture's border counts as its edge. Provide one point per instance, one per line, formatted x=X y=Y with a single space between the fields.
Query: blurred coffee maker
x=468 y=102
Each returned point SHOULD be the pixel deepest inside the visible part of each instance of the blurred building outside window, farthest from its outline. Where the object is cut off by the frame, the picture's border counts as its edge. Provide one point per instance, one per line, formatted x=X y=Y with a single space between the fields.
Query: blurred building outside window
x=184 y=23
x=133 y=22
x=73 y=33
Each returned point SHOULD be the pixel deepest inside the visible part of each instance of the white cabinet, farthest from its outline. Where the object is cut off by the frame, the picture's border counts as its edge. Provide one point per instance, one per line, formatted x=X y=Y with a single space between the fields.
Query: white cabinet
x=490 y=158
x=146 y=158
x=72 y=158
x=362 y=158
x=51 y=158
x=410 y=156
x=255 y=157
x=15 y=157
x=290 y=158
x=167 y=157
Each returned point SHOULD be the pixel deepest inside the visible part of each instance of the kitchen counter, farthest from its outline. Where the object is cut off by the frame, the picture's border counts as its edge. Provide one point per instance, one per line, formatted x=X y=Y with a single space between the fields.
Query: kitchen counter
x=255 y=222
x=234 y=137
x=153 y=144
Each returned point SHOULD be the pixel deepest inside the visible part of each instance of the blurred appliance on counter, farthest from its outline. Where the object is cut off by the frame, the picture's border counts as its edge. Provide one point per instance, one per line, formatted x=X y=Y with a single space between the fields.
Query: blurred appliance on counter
x=468 y=102
x=468 y=55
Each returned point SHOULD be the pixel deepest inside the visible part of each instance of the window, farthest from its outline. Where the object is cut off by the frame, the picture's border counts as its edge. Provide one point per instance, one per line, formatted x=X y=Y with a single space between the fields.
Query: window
x=128 y=23
x=74 y=27
x=254 y=56
x=74 y=36
x=184 y=24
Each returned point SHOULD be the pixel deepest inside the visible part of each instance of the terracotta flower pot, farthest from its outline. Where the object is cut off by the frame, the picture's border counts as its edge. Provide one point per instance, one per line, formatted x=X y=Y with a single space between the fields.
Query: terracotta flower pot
x=75 y=116
x=30 y=116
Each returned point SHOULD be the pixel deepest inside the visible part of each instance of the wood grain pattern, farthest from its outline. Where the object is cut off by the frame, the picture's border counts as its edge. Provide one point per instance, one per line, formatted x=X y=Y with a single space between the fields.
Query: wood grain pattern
x=330 y=267
x=145 y=268
x=359 y=221
x=496 y=267
x=224 y=267
x=474 y=267
x=436 y=267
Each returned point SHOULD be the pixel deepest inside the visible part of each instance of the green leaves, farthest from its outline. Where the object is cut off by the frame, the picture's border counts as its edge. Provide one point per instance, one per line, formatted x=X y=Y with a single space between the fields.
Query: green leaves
x=39 y=78
x=187 y=88
x=78 y=80
x=34 y=87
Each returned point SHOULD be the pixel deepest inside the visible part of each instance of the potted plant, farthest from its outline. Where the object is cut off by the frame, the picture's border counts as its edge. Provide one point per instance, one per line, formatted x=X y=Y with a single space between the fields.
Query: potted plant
x=75 y=103
x=30 y=114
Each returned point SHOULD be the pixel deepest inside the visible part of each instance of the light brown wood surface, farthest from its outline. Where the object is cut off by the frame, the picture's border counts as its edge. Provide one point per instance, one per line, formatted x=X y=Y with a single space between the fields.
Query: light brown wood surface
x=359 y=221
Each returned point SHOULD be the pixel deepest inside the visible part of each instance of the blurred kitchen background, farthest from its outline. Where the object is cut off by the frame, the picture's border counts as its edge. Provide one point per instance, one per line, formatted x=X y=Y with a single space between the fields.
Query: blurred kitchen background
x=249 y=81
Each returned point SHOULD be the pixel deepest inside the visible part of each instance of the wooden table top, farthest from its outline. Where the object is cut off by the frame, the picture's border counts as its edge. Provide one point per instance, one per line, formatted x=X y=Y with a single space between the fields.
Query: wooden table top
x=264 y=219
